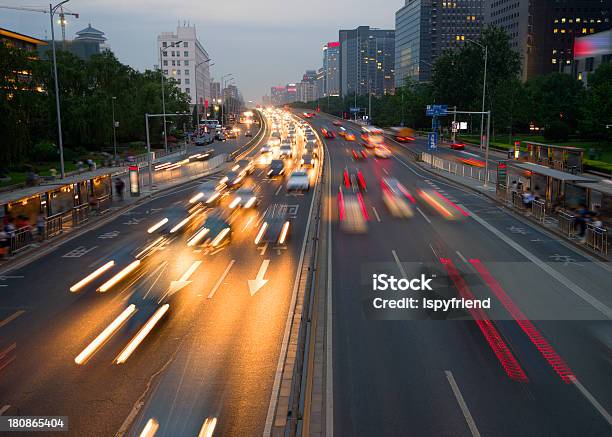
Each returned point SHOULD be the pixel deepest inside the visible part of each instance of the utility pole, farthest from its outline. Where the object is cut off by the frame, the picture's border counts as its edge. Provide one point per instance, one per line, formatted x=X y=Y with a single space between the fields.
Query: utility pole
x=114 y=126
x=453 y=130
x=487 y=149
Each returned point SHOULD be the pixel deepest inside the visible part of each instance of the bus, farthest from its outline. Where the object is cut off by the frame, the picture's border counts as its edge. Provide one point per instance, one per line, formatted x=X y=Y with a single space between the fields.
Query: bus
x=402 y=134
x=372 y=136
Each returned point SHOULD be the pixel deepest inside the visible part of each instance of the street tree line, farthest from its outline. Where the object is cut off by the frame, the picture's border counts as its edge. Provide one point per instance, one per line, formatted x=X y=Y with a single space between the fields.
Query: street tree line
x=557 y=102
x=27 y=104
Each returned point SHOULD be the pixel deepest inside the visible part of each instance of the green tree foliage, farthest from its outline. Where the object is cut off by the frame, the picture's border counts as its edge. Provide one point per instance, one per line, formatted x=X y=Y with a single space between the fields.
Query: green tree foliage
x=598 y=103
x=28 y=116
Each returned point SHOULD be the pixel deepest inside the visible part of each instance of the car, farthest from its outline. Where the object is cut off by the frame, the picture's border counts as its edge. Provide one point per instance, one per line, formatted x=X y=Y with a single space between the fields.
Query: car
x=232 y=180
x=244 y=198
x=354 y=180
x=275 y=134
x=220 y=135
x=286 y=151
x=308 y=114
x=274 y=227
x=358 y=155
x=298 y=181
x=277 y=168
x=397 y=198
x=457 y=146
x=266 y=149
x=329 y=134
x=382 y=152
x=349 y=136
x=308 y=161
x=207 y=195
x=231 y=134
x=244 y=166
x=337 y=123
x=311 y=149
x=215 y=232
x=248 y=133
x=352 y=212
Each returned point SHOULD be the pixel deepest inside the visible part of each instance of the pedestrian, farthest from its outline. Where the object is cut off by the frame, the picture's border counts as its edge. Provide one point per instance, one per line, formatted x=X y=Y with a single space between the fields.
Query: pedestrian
x=4 y=244
x=41 y=223
x=581 y=221
x=90 y=164
x=119 y=187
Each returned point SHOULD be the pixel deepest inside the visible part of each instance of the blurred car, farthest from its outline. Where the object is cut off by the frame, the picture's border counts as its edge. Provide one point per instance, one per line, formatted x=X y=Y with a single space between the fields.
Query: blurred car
x=244 y=166
x=354 y=180
x=349 y=136
x=208 y=194
x=337 y=123
x=267 y=149
x=473 y=162
x=457 y=146
x=342 y=132
x=232 y=180
x=308 y=161
x=298 y=181
x=403 y=134
x=309 y=114
x=245 y=197
x=352 y=212
x=248 y=133
x=277 y=168
x=231 y=134
x=274 y=227
x=215 y=232
x=382 y=152
x=329 y=134
x=396 y=198
x=286 y=151
x=311 y=148
x=358 y=155
x=220 y=135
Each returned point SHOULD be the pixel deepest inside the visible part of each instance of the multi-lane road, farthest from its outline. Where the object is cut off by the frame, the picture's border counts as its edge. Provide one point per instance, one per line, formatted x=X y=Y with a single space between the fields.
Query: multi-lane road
x=535 y=363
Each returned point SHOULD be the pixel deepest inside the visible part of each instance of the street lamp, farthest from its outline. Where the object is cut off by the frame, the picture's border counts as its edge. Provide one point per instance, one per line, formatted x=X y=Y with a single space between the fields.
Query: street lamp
x=52 y=10
x=114 y=126
x=484 y=83
x=228 y=75
x=161 y=69
x=196 y=87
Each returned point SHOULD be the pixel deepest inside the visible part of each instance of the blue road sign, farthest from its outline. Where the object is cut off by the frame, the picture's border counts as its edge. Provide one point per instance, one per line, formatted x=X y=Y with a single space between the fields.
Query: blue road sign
x=433 y=110
x=432 y=140
x=355 y=110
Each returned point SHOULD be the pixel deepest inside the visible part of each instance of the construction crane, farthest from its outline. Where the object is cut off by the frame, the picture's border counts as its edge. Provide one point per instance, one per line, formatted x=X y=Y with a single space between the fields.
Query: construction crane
x=62 y=15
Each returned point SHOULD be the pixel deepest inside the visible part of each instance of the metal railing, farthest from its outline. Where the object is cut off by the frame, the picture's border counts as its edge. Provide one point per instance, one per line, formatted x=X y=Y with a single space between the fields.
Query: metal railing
x=517 y=200
x=54 y=225
x=463 y=170
x=502 y=192
x=103 y=203
x=567 y=223
x=80 y=214
x=20 y=239
x=597 y=238
x=538 y=209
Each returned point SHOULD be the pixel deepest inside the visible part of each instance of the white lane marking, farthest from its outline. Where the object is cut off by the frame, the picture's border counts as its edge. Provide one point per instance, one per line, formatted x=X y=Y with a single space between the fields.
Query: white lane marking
x=78 y=252
x=423 y=214
x=284 y=344
x=248 y=223
x=376 y=214
x=471 y=154
x=10 y=318
x=576 y=289
x=399 y=264
x=329 y=367
x=462 y=257
x=434 y=251
x=464 y=408
x=280 y=187
x=221 y=279
x=385 y=170
x=4 y=409
x=592 y=400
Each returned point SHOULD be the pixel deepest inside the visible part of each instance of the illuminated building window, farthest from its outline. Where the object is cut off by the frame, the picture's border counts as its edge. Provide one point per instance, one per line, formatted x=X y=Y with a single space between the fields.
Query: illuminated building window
x=555 y=30
x=580 y=76
x=554 y=61
x=563 y=20
x=577 y=20
x=584 y=30
x=562 y=30
x=592 y=30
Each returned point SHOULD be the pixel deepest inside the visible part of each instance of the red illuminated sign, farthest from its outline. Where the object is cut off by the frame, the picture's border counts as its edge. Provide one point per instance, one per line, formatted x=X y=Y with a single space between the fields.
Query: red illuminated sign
x=333 y=44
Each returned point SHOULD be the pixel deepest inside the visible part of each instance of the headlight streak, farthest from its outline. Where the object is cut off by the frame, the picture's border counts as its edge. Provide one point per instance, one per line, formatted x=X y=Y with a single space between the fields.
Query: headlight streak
x=264 y=226
x=283 y=234
x=208 y=427
x=235 y=202
x=197 y=197
x=197 y=237
x=141 y=335
x=250 y=202
x=105 y=335
x=119 y=276
x=87 y=279
x=213 y=197
x=157 y=225
x=219 y=238
x=150 y=428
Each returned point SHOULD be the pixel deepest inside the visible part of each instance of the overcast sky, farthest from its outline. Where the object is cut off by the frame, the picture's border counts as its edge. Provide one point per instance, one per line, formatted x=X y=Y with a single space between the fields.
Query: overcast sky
x=263 y=43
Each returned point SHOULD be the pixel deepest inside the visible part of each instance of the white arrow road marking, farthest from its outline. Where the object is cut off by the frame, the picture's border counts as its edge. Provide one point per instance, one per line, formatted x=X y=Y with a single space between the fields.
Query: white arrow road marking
x=259 y=281
x=184 y=280
x=221 y=279
x=263 y=249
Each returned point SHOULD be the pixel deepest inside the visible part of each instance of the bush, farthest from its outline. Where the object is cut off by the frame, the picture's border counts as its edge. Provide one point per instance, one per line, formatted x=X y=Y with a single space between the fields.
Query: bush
x=557 y=131
x=45 y=151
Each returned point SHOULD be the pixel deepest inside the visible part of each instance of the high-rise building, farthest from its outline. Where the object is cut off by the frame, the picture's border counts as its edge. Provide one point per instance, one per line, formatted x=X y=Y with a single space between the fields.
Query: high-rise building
x=277 y=95
x=290 y=95
x=543 y=31
x=310 y=76
x=321 y=82
x=331 y=68
x=215 y=90
x=367 y=58
x=307 y=91
x=590 y=51
x=424 y=29
x=186 y=62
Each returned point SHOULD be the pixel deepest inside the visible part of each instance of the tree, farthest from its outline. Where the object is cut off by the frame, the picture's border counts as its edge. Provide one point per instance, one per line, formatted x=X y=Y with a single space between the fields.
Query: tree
x=598 y=103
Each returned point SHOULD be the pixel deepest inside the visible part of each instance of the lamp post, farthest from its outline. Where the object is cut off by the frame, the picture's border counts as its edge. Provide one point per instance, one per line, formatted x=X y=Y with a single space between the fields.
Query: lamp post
x=52 y=10
x=149 y=154
x=196 y=88
x=114 y=126
x=161 y=69
x=484 y=87
x=223 y=95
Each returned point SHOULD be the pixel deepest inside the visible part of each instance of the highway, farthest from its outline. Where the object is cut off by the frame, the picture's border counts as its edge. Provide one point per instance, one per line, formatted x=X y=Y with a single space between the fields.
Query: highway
x=214 y=351
x=533 y=364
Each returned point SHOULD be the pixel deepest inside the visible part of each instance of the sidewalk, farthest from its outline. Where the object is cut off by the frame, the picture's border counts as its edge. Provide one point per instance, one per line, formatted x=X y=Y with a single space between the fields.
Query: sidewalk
x=547 y=222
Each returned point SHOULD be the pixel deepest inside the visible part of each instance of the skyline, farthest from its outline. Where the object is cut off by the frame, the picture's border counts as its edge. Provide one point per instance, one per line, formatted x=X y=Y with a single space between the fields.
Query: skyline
x=227 y=34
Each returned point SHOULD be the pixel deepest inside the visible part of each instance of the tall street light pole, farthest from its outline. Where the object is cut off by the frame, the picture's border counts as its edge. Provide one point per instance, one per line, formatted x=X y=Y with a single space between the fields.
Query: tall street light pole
x=223 y=95
x=197 y=104
x=114 y=126
x=52 y=10
x=161 y=69
x=484 y=88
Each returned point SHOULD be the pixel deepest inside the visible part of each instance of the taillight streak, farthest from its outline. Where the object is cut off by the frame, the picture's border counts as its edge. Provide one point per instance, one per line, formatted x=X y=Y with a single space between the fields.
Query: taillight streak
x=511 y=366
x=538 y=340
x=454 y=205
x=364 y=210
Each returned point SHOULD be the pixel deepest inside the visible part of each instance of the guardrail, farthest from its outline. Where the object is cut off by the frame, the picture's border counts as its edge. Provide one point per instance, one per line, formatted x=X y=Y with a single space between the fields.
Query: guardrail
x=517 y=200
x=567 y=223
x=597 y=238
x=54 y=225
x=459 y=169
x=501 y=191
x=538 y=209
x=20 y=239
x=80 y=214
x=103 y=203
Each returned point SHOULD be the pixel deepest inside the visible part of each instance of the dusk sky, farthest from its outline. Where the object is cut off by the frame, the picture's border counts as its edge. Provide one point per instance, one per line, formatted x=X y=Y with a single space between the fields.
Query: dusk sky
x=264 y=43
